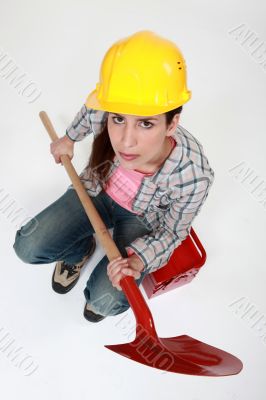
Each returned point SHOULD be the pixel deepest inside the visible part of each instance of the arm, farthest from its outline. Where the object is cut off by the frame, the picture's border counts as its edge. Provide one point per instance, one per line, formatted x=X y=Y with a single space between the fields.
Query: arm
x=155 y=249
x=76 y=131
x=85 y=122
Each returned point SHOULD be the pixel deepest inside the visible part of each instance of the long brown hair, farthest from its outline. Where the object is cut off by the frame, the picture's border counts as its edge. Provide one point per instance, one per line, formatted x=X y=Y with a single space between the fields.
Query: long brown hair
x=102 y=152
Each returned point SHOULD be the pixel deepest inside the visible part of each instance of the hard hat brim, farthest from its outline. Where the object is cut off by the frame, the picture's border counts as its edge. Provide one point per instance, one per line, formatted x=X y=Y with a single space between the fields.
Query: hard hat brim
x=93 y=102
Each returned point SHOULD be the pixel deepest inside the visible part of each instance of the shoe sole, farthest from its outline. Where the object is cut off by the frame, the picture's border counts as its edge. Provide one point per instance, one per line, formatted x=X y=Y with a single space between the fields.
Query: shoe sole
x=62 y=289
x=91 y=316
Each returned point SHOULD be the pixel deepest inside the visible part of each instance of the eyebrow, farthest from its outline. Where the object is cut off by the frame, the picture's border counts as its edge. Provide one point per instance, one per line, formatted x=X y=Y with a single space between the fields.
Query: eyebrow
x=139 y=119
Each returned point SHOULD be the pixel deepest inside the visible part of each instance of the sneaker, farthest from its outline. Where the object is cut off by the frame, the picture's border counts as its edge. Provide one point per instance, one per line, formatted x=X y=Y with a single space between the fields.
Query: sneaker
x=65 y=276
x=90 y=315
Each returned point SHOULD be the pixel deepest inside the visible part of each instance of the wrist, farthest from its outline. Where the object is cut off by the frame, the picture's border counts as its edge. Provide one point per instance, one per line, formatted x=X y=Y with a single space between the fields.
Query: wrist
x=68 y=138
x=138 y=262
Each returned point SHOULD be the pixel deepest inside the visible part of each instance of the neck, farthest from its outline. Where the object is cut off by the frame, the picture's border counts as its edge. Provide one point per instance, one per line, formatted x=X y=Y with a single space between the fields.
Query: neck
x=156 y=165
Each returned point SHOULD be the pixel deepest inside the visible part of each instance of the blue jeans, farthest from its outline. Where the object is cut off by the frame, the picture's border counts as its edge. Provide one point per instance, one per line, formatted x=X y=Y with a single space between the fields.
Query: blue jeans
x=63 y=232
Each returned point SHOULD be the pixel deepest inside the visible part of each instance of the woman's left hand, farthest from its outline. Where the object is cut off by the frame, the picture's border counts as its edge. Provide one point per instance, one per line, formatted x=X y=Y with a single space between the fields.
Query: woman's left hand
x=121 y=267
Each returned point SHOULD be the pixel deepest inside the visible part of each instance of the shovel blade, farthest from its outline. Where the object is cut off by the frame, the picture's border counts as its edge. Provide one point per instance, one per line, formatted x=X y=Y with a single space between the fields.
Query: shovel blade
x=180 y=354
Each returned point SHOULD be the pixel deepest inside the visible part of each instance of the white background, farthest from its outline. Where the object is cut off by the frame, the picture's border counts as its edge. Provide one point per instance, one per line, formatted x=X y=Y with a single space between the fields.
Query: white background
x=60 y=45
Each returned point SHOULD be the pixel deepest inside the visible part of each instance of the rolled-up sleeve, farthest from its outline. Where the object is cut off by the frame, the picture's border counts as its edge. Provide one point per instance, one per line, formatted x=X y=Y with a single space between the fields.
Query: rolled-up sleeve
x=86 y=121
x=156 y=248
x=81 y=125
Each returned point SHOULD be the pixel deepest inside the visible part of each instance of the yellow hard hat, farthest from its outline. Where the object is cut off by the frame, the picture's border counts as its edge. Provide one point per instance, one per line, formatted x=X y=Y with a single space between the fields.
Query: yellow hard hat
x=142 y=74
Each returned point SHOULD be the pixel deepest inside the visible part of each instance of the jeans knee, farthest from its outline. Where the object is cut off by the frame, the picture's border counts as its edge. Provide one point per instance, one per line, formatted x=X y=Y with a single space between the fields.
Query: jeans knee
x=25 y=244
x=21 y=249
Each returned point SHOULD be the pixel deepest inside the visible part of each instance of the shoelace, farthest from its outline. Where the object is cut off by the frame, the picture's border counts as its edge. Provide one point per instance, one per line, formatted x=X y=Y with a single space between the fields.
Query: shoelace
x=71 y=268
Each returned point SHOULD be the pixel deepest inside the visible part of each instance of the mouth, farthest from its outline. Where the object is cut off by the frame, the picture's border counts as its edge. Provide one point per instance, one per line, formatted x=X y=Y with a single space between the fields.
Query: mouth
x=128 y=157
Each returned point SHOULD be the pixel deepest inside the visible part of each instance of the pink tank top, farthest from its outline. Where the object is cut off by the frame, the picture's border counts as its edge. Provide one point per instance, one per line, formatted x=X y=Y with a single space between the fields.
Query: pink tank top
x=123 y=184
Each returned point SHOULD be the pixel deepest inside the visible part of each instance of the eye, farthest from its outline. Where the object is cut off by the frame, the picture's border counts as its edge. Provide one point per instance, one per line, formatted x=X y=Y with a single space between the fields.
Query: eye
x=113 y=118
x=144 y=122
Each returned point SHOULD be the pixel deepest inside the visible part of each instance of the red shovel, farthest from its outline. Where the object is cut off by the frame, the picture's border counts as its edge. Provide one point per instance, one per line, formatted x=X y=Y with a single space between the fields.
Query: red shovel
x=181 y=354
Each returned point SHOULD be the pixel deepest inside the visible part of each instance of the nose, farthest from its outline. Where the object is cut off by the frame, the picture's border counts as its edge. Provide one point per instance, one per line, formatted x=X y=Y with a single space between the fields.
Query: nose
x=128 y=137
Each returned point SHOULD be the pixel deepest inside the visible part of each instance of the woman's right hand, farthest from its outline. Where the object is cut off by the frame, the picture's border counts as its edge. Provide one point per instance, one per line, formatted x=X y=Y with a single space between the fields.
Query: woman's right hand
x=63 y=145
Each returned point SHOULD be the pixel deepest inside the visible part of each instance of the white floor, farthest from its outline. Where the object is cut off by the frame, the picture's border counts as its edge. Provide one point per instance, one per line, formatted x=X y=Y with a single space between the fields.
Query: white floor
x=47 y=348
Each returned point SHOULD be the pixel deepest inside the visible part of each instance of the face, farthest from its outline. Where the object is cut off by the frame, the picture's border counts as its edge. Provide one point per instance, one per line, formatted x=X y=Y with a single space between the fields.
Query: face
x=146 y=138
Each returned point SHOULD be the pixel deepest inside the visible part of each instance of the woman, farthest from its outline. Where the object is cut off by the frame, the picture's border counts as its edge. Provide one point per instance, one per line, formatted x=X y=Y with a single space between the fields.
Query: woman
x=147 y=176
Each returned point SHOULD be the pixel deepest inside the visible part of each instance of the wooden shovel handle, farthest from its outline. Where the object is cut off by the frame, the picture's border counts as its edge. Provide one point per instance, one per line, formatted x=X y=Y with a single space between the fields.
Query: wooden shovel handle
x=101 y=231
x=136 y=300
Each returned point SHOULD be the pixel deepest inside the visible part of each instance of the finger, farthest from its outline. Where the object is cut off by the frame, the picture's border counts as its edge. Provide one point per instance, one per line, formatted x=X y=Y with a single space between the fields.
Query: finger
x=115 y=278
x=113 y=261
x=115 y=281
x=56 y=158
x=114 y=264
x=131 y=272
x=118 y=287
x=115 y=271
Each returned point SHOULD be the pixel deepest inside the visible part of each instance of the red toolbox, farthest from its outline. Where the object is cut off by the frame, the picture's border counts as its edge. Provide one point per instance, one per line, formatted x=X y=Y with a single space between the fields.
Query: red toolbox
x=181 y=268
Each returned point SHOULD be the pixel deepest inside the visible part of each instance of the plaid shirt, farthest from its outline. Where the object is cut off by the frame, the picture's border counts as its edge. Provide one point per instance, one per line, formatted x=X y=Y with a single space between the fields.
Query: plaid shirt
x=167 y=201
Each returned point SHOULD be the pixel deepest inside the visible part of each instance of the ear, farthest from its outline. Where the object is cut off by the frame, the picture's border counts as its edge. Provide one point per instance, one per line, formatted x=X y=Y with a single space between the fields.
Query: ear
x=172 y=127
